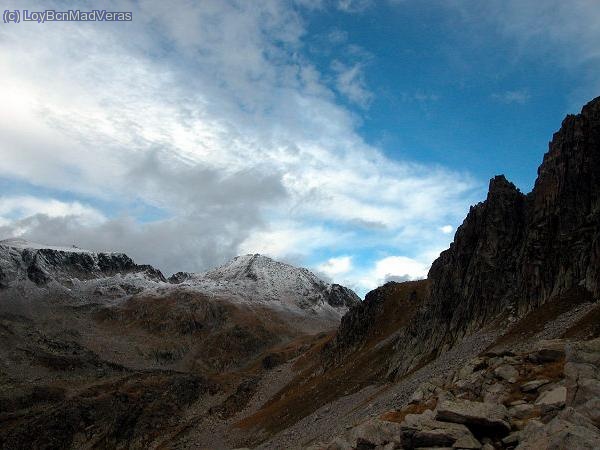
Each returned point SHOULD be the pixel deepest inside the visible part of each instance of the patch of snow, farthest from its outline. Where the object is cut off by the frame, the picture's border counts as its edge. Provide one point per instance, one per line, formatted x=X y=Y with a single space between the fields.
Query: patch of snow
x=25 y=244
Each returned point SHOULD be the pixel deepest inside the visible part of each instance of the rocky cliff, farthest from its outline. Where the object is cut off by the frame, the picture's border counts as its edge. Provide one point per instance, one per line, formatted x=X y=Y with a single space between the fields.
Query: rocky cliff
x=513 y=252
x=22 y=261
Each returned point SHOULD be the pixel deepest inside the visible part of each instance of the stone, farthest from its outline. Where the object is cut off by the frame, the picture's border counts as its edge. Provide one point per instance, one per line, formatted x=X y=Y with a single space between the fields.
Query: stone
x=521 y=411
x=553 y=397
x=388 y=446
x=486 y=417
x=534 y=385
x=496 y=393
x=434 y=438
x=512 y=438
x=422 y=430
x=467 y=442
x=507 y=372
x=569 y=430
x=474 y=365
x=373 y=432
x=546 y=356
x=424 y=392
x=582 y=378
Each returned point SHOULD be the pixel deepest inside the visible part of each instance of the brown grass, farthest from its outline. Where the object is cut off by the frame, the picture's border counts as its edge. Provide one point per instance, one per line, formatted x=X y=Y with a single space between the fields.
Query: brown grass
x=553 y=371
x=316 y=386
x=413 y=408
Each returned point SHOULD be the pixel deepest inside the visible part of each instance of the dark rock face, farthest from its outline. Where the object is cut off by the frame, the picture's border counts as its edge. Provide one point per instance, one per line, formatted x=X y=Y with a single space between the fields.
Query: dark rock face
x=561 y=249
x=179 y=277
x=340 y=295
x=514 y=252
x=43 y=265
x=383 y=312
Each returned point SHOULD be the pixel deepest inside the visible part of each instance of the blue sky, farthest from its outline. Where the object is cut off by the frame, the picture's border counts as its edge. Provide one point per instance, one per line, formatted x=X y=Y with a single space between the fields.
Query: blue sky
x=348 y=136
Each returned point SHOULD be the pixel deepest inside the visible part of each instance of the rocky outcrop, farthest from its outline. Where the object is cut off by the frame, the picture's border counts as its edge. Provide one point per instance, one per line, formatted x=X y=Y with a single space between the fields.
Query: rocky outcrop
x=489 y=418
x=20 y=260
x=515 y=252
x=576 y=426
x=340 y=296
x=560 y=412
x=383 y=312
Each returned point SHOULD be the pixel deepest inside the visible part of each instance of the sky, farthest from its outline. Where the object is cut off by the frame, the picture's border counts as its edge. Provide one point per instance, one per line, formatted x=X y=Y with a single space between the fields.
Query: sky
x=346 y=136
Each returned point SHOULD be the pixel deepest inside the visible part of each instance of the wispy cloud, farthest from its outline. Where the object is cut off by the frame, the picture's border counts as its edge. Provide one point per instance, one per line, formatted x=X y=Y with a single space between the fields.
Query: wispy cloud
x=563 y=34
x=337 y=36
x=519 y=96
x=354 y=6
x=350 y=82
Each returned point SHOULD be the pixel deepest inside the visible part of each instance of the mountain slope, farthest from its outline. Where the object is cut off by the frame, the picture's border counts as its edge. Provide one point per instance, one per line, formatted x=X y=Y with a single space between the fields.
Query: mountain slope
x=514 y=253
x=84 y=333
x=521 y=269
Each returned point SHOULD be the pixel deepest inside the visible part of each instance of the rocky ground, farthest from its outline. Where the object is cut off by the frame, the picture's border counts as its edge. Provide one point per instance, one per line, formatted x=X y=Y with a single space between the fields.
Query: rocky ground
x=548 y=398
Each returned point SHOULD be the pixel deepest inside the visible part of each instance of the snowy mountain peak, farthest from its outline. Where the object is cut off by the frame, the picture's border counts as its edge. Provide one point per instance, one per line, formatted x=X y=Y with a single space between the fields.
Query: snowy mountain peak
x=252 y=279
x=257 y=267
x=24 y=261
x=258 y=278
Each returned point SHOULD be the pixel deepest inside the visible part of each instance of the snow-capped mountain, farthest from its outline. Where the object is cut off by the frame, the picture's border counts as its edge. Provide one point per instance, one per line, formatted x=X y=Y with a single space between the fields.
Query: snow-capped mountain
x=32 y=267
x=253 y=279
x=260 y=279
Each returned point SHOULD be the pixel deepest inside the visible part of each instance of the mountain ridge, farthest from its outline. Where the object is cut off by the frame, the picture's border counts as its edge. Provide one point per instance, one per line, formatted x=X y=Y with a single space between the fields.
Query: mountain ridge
x=250 y=277
x=514 y=252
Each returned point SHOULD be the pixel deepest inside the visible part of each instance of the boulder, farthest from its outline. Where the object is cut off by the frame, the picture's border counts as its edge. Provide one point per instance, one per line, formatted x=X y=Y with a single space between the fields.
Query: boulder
x=496 y=393
x=534 y=385
x=512 y=438
x=548 y=351
x=521 y=411
x=582 y=378
x=422 y=430
x=467 y=442
x=553 y=397
x=569 y=430
x=424 y=392
x=507 y=372
x=474 y=365
x=372 y=433
x=546 y=356
x=487 y=418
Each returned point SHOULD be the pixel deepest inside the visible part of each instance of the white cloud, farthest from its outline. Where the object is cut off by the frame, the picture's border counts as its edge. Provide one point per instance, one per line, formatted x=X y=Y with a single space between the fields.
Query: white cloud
x=24 y=206
x=290 y=240
x=391 y=268
x=336 y=266
x=337 y=36
x=212 y=115
x=447 y=229
x=399 y=267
